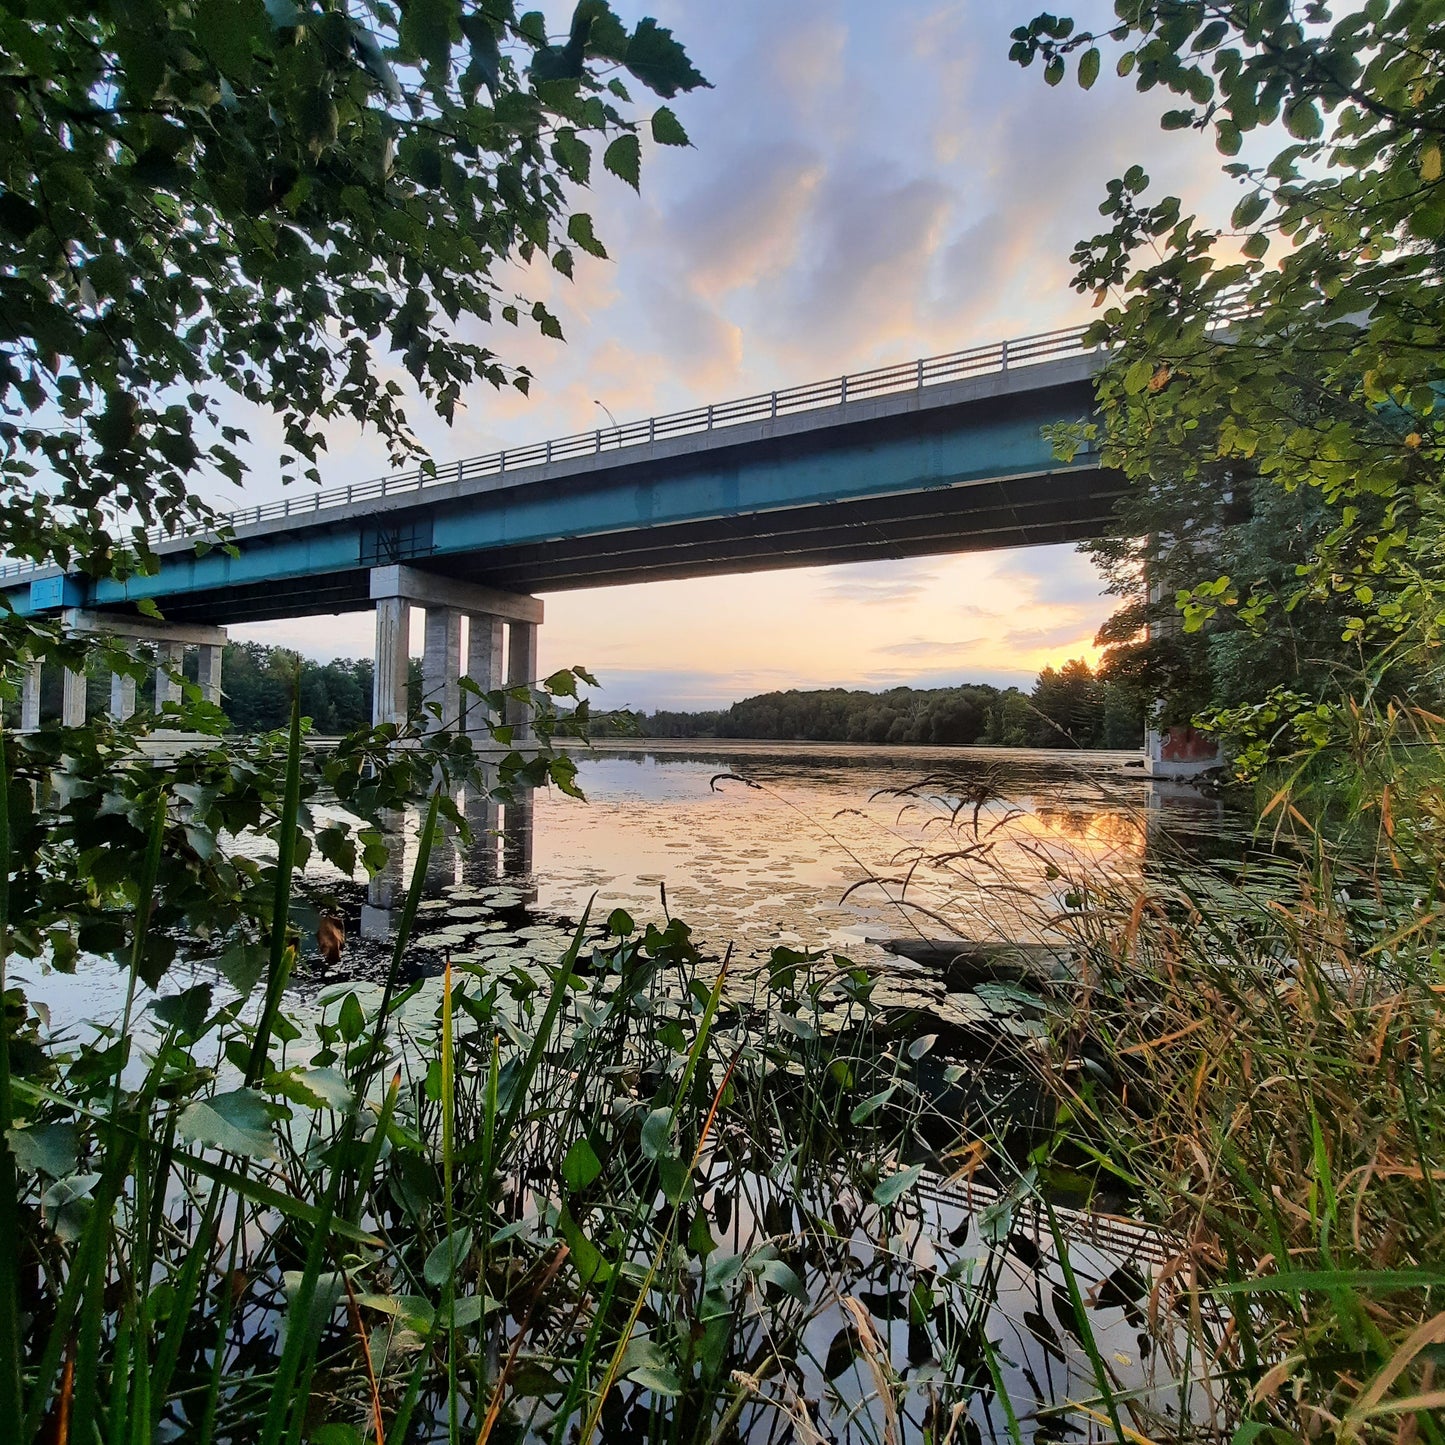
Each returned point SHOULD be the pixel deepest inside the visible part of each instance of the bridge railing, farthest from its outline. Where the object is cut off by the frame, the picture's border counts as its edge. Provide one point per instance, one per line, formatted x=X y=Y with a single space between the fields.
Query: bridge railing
x=765 y=406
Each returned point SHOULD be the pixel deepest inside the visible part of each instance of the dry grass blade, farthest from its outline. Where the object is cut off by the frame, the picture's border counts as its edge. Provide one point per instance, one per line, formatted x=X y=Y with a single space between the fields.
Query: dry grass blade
x=875 y=1355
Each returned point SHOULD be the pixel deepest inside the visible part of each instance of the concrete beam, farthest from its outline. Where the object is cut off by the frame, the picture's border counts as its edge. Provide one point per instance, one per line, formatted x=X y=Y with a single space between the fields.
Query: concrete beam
x=427 y=589
x=147 y=629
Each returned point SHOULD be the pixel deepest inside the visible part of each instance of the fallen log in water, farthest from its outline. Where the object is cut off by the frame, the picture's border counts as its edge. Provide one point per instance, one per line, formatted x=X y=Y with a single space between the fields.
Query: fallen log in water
x=964 y=962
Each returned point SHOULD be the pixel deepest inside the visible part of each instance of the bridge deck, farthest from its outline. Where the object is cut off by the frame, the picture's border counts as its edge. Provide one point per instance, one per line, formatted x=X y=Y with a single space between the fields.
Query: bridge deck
x=896 y=471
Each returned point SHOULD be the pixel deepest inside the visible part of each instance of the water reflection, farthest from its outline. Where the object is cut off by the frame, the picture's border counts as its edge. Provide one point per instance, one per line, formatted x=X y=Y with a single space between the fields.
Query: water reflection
x=500 y=847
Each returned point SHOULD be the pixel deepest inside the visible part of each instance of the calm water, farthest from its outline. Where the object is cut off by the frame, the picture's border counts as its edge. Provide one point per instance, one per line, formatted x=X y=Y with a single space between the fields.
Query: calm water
x=824 y=847
x=761 y=844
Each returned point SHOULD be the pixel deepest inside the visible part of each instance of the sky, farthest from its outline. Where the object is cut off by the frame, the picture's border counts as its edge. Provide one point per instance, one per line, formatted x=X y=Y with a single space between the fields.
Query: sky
x=866 y=184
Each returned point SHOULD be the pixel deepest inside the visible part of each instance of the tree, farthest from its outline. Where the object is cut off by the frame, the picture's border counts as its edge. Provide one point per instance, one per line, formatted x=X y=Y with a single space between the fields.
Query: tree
x=261 y=200
x=1068 y=706
x=1299 y=345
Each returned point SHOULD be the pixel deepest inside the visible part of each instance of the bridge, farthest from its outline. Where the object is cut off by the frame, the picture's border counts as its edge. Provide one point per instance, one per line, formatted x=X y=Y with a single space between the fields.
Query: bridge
x=941 y=455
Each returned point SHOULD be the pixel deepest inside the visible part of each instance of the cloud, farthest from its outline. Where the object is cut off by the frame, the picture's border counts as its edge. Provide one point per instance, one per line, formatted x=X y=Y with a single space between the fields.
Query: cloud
x=922 y=647
x=879 y=583
x=1056 y=579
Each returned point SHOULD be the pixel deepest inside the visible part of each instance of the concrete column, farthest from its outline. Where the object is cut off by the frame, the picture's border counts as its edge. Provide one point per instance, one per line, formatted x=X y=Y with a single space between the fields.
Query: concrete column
x=386 y=889
x=441 y=665
x=169 y=656
x=521 y=670
x=72 y=700
x=393 y=646
x=30 y=697
x=122 y=696
x=209 y=675
x=484 y=667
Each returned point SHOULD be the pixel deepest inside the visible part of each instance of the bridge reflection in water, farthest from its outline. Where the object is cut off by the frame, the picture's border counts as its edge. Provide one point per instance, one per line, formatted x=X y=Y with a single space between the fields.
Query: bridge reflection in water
x=501 y=847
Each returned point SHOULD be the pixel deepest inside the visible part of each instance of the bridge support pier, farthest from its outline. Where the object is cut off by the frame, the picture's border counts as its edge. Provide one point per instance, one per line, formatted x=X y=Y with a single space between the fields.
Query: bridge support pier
x=1179 y=752
x=168 y=642
x=485 y=635
x=208 y=672
x=30 y=697
x=72 y=699
x=122 y=696
x=393 y=639
x=396 y=590
x=521 y=671
x=441 y=667
x=169 y=657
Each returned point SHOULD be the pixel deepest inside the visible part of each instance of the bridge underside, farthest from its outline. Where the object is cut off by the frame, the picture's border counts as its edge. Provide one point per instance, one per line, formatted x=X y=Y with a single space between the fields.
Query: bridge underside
x=1056 y=507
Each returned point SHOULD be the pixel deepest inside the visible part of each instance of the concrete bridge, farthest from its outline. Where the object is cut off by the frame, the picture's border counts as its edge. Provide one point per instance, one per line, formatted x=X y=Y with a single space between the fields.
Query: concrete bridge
x=941 y=455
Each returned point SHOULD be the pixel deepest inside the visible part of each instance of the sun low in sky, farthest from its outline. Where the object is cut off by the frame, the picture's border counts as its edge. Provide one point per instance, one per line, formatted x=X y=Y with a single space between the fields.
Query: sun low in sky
x=867 y=184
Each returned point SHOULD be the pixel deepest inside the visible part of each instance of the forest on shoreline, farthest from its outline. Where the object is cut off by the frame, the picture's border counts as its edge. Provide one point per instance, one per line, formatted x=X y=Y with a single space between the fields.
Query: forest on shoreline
x=1068 y=707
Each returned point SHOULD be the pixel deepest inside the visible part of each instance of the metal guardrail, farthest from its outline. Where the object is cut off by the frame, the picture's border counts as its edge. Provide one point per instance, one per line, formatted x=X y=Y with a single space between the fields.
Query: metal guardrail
x=928 y=371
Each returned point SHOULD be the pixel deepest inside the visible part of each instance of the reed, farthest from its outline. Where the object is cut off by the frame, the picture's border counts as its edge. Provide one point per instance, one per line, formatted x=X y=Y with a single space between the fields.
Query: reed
x=1254 y=1061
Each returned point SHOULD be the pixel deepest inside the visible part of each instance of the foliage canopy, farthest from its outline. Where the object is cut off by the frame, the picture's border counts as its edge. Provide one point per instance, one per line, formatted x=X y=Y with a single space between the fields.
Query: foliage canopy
x=231 y=199
x=1300 y=343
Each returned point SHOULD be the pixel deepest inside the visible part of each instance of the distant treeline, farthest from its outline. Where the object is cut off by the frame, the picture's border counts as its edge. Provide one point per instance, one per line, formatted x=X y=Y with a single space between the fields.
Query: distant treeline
x=256 y=686
x=1068 y=707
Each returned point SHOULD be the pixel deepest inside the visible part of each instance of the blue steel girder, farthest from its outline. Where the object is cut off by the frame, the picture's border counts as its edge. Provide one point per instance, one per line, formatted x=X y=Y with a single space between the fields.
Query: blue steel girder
x=934 y=478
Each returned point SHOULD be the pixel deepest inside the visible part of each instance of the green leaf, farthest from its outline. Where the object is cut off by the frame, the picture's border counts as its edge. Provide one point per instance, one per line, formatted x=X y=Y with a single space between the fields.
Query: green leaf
x=312 y=1088
x=228 y=29
x=1249 y=210
x=775 y=1272
x=45 y=1148
x=1302 y=120
x=891 y=1190
x=586 y=1257
x=430 y=27
x=242 y=966
x=351 y=1021
x=667 y=129
x=872 y=1104
x=580 y=1166
x=185 y=1012
x=624 y=159
x=1089 y=67
x=646 y=1364
x=657 y=1133
x=579 y=232
x=659 y=62
x=620 y=924
x=236 y=1123
x=448 y=1257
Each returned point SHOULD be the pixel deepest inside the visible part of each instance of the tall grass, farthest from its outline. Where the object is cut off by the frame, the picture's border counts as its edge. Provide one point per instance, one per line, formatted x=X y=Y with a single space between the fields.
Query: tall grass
x=1255 y=1061
x=612 y=1199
